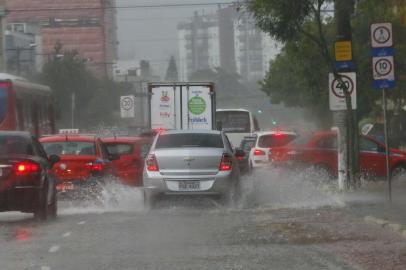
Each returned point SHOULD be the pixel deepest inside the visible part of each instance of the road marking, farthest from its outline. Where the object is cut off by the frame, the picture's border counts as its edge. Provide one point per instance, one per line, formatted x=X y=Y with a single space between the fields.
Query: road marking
x=54 y=249
x=67 y=234
x=81 y=222
x=45 y=268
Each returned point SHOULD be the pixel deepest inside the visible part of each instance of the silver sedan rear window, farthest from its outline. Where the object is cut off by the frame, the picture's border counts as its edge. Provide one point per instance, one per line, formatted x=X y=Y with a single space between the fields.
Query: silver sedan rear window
x=184 y=140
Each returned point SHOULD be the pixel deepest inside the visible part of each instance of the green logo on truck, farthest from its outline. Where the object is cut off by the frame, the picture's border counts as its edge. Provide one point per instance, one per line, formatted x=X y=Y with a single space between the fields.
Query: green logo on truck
x=197 y=105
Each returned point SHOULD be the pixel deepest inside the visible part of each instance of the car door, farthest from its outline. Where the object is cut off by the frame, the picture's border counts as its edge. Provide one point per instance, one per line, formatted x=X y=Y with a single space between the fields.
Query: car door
x=324 y=153
x=372 y=158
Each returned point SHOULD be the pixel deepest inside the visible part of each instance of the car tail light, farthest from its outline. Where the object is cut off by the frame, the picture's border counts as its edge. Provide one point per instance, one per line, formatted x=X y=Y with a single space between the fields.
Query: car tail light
x=152 y=164
x=95 y=166
x=259 y=152
x=27 y=167
x=226 y=163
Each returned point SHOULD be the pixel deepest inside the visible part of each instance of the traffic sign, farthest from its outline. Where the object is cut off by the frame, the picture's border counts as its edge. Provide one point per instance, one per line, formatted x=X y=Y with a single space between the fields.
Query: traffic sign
x=336 y=91
x=381 y=35
x=383 y=84
x=344 y=65
x=387 y=51
x=127 y=106
x=383 y=68
x=343 y=50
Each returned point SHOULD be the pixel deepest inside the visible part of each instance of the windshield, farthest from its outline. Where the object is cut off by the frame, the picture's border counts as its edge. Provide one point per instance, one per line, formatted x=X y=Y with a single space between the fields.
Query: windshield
x=15 y=145
x=234 y=121
x=3 y=103
x=189 y=140
x=274 y=140
x=70 y=148
x=119 y=148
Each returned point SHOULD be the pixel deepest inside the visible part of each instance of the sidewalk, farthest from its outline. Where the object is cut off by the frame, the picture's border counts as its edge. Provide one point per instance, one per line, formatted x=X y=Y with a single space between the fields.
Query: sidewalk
x=372 y=203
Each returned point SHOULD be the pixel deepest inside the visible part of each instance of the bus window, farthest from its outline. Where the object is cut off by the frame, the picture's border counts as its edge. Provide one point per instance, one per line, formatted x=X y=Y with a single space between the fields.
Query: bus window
x=20 y=114
x=3 y=103
x=35 y=120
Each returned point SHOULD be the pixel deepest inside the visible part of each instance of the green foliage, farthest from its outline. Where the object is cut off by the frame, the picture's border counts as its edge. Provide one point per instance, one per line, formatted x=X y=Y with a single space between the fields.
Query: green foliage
x=96 y=100
x=283 y=19
x=299 y=75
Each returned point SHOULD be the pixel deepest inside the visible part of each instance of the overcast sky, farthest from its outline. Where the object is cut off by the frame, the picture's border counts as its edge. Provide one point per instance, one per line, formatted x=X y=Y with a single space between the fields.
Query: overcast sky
x=150 y=33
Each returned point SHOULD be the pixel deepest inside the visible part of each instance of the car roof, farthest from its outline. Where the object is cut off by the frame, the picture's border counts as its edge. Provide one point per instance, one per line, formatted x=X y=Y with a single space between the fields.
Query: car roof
x=16 y=133
x=68 y=137
x=230 y=110
x=199 y=131
x=125 y=139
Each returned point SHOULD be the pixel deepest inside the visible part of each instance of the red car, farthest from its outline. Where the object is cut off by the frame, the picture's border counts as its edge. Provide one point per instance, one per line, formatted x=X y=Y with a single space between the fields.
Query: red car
x=320 y=149
x=83 y=160
x=130 y=152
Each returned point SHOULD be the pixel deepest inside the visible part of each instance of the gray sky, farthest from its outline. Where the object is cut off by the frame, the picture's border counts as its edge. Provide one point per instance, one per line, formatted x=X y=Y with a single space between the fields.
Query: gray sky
x=150 y=33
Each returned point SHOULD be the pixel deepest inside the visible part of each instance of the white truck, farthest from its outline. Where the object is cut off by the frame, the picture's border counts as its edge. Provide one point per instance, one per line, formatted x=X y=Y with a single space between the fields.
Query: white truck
x=182 y=106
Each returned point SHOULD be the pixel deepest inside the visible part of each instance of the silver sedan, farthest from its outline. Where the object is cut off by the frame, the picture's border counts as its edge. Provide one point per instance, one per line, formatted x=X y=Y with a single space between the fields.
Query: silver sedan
x=191 y=162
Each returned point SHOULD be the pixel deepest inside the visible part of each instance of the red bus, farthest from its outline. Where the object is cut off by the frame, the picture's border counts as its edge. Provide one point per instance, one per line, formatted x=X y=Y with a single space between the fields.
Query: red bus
x=25 y=106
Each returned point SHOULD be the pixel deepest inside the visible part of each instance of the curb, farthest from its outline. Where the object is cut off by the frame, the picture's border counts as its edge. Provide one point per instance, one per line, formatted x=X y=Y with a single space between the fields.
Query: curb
x=395 y=227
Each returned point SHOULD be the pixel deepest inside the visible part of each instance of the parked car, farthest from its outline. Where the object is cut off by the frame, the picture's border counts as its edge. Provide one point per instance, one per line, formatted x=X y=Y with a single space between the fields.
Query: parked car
x=320 y=150
x=83 y=163
x=131 y=153
x=191 y=162
x=26 y=183
x=264 y=143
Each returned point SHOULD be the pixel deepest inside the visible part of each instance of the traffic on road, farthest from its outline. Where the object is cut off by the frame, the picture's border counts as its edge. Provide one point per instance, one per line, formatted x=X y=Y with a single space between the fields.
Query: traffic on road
x=202 y=134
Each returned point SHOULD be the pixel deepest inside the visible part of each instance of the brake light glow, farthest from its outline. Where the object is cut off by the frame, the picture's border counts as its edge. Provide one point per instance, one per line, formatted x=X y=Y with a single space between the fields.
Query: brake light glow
x=259 y=152
x=225 y=163
x=27 y=167
x=94 y=166
x=152 y=164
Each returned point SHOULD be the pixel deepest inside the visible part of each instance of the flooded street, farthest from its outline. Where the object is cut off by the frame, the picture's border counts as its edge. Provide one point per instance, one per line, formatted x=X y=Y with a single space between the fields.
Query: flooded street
x=283 y=222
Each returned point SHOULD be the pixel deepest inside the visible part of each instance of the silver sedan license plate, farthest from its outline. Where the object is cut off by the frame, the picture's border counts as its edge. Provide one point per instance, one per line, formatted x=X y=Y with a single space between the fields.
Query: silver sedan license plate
x=189 y=185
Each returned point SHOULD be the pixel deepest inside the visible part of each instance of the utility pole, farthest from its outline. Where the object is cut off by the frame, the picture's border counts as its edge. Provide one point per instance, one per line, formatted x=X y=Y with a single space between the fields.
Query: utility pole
x=346 y=120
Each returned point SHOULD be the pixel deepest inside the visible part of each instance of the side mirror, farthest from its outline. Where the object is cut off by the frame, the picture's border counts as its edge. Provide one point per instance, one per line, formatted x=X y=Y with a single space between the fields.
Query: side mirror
x=53 y=159
x=114 y=157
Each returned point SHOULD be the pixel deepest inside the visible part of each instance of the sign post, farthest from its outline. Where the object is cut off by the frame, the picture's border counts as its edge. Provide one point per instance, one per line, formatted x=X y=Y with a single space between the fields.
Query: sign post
x=383 y=69
x=127 y=107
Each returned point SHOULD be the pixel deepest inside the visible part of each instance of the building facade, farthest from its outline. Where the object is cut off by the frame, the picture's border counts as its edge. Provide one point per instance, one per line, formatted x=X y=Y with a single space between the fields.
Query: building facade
x=227 y=39
x=88 y=26
x=198 y=45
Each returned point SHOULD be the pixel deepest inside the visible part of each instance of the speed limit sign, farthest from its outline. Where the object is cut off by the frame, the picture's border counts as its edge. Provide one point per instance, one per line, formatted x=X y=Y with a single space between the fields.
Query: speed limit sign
x=127 y=107
x=383 y=68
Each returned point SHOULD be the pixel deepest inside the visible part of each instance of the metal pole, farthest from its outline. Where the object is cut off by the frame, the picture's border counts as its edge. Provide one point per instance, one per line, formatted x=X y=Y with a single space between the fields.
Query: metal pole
x=388 y=176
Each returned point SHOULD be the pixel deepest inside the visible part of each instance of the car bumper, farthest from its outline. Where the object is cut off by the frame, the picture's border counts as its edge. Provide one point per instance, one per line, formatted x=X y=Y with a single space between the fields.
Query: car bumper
x=259 y=162
x=20 y=198
x=218 y=184
x=91 y=187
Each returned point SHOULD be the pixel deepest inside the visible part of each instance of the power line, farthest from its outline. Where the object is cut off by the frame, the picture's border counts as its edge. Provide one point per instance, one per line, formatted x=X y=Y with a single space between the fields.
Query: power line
x=176 y=5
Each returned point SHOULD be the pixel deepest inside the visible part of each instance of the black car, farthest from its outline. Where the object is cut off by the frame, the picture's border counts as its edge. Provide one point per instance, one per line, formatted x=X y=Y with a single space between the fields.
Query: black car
x=26 y=183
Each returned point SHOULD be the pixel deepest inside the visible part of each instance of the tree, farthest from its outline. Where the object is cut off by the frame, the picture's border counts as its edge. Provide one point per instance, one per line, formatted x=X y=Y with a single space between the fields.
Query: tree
x=96 y=100
x=65 y=72
x=172 y=71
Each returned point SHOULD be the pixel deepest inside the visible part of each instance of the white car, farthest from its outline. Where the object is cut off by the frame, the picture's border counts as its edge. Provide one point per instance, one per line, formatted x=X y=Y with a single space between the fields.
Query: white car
x=259 y=154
